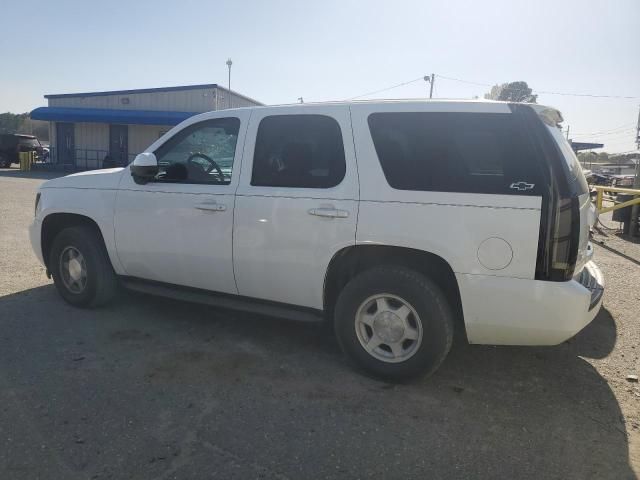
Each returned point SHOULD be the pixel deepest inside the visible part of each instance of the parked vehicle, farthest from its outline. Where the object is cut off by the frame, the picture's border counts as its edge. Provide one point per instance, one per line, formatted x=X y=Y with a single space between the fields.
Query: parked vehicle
x=599 y=179
x=11 y=144
x=398 y=222
x=622 y=181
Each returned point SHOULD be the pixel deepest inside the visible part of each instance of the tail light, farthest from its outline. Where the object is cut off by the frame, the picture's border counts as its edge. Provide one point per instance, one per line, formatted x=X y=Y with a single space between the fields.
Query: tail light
x=565 y=237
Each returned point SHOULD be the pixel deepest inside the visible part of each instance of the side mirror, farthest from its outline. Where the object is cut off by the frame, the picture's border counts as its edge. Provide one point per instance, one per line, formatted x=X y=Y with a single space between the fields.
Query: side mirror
x=144 y=168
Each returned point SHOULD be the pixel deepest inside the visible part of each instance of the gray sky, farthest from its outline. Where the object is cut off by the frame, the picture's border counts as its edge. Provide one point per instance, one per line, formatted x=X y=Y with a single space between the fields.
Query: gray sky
x=332 y=50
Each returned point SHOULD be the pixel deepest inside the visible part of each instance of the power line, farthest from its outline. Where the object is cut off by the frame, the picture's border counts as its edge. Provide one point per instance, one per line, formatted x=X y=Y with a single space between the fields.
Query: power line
x=621 y=134
x=482 y=84
x=546 y=92
x=388 y=88
x=626 y=126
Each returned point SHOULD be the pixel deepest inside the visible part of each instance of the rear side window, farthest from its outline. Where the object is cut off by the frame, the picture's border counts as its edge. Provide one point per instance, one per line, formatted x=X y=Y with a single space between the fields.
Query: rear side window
x=577 y=181
x=299 y=151
x=455 y=152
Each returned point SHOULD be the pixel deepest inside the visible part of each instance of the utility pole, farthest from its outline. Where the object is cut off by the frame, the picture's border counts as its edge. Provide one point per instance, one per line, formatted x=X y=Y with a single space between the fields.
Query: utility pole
x=636 y=183
x=229 y=63
x=430 y=79
x=433 y=79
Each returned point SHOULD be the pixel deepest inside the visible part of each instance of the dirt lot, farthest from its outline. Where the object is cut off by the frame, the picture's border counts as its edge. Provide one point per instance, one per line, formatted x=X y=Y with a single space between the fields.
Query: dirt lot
x=156 y=389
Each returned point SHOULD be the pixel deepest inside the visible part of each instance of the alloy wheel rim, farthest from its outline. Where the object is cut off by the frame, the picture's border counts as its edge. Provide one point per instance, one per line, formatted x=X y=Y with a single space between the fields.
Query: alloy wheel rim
x=388 y=328
x=73 y=270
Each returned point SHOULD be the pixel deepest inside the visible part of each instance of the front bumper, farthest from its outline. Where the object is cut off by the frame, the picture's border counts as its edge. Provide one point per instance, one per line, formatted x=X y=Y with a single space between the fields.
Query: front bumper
x=34 y=236
x=513 y=311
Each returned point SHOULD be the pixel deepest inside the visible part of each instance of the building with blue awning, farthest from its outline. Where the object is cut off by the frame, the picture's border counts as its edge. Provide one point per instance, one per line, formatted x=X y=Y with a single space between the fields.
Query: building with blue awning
x=97 y=129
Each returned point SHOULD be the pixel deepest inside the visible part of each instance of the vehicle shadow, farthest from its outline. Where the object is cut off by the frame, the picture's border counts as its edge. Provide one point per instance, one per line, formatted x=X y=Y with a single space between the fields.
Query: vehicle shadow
x=278 y=397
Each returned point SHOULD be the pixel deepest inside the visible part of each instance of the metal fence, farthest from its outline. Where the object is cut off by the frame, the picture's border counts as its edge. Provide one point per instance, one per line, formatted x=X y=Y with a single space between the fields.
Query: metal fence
x=79 y=159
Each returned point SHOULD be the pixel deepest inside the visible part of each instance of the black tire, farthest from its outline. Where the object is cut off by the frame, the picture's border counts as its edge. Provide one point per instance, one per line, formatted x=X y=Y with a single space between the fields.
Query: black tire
x=101 y=282
x=430 y=305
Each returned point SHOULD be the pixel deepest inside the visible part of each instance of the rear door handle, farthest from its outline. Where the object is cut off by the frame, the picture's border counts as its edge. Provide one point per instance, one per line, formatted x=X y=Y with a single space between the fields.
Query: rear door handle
x=211 y=207
x=329 y=212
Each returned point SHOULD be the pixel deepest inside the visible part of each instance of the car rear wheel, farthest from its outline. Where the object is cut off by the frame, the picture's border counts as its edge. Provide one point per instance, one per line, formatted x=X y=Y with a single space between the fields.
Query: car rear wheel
x=81 y=269
x=394 y=323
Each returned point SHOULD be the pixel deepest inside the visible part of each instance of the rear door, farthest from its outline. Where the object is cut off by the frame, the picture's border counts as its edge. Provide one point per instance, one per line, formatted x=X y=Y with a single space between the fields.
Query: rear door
x=297 y=202
x=578 y=189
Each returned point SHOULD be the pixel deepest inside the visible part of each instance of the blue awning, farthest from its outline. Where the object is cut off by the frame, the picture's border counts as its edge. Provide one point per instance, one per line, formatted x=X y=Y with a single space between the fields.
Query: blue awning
x=104 y=115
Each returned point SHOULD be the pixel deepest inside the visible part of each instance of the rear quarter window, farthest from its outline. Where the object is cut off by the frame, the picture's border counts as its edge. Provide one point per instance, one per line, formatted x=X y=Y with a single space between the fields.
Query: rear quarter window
x=455 y=152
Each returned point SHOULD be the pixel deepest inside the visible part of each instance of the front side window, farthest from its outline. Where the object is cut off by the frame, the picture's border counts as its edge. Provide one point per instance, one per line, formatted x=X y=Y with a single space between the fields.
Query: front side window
x=299 y=151
x=201 y=153
x=455 y=152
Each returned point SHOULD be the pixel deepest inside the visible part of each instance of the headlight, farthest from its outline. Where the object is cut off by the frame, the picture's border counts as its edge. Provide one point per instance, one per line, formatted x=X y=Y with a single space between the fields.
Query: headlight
x=35 y=210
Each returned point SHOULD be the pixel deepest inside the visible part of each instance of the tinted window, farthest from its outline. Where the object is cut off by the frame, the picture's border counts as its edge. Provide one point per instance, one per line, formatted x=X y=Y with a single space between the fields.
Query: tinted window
x=455 y=152
x=29 y=142
x=304 y=151
x=577 y=181
x=201 y=153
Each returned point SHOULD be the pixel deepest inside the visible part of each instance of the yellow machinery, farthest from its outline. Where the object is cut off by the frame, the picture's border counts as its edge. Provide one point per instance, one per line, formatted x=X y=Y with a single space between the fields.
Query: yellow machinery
x=26 y=160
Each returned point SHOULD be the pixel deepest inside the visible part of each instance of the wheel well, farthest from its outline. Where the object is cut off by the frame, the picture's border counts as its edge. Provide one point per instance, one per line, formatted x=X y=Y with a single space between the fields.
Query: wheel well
x=55 y=223
x=351 y=261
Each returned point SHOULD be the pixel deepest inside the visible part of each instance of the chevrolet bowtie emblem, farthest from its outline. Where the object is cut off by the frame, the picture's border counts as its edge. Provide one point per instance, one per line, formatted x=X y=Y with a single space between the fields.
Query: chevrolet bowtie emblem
x=521 y=186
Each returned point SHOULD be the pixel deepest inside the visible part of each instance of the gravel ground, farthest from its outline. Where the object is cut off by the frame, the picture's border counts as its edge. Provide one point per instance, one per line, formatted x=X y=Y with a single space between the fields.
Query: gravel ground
x=156 y=389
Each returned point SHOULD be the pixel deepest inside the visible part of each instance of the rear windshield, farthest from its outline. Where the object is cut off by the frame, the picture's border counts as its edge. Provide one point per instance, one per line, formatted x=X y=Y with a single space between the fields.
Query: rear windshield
x=577 y=181
x=29 y=142
x=455 y=152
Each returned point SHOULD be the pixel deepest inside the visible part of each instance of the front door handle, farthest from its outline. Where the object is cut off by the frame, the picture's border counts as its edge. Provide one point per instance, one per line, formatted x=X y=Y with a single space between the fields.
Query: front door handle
x=328 y=212
x=211 y=207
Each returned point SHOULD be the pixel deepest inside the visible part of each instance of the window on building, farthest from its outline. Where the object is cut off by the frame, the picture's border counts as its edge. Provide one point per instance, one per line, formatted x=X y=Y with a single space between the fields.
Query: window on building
x=303 y=151
x=200 y=153
x=455 y=152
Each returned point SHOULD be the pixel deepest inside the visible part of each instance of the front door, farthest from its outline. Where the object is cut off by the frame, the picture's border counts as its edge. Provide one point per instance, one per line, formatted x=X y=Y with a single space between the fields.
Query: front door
x=119 y=145
x=65 y=143
x=297 y=203
x=178 y=228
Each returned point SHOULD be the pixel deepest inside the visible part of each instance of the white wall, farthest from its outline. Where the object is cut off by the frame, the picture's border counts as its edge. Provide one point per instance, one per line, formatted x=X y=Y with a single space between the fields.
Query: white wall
x=196 y=100
x=141 y=136
x=93 y=136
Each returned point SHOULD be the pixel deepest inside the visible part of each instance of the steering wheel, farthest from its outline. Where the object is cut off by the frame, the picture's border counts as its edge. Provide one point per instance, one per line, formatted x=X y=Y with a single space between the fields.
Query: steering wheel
x=194 y=166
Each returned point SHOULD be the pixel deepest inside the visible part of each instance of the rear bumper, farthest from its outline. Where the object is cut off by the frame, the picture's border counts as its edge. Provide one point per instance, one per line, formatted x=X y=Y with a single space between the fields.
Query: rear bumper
x=591 y=279
x=511 y=311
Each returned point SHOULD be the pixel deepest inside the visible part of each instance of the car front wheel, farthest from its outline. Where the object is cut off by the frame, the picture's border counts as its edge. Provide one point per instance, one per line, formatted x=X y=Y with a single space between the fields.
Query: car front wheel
x=81 y=269
x=394 y=323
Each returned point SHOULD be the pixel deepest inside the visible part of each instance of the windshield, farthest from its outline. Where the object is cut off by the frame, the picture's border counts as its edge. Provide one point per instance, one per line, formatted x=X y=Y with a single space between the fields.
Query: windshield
x=577 y=181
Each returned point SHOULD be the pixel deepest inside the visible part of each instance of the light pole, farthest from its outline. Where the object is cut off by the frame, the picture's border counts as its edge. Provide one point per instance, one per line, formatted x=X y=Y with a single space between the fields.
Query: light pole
x=229 y=63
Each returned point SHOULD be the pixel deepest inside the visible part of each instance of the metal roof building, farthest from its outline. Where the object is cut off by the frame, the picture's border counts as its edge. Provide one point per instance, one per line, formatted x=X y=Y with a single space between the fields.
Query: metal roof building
x=98 y=129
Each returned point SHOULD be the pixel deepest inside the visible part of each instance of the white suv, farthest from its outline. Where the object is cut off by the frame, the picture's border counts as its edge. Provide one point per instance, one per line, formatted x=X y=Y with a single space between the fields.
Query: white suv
x=396 y=221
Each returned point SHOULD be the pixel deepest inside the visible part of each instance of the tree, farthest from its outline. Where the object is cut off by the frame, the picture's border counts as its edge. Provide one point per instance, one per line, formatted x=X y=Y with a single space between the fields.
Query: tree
x=11 y=122
x=512 y=92
x=21 y=123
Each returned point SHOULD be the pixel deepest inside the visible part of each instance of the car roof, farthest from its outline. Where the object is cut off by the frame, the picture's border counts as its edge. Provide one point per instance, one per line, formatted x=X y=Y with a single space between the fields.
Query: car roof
x=18 y=135
x=540 y=109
